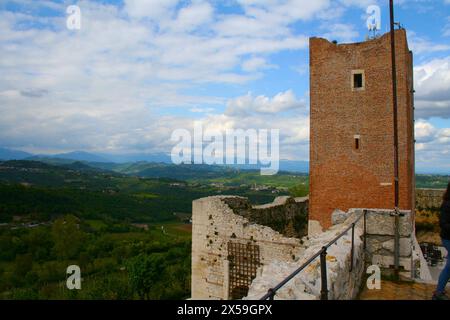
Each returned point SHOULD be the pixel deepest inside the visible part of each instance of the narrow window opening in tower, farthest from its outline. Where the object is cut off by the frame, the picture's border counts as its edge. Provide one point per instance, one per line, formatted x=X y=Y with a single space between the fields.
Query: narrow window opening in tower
x=358 y=80
x=357 y=143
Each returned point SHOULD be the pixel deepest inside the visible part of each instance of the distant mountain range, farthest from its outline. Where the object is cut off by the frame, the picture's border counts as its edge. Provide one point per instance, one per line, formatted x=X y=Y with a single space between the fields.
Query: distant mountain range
x=111 y=159
x=9 y=154
x=76 y=155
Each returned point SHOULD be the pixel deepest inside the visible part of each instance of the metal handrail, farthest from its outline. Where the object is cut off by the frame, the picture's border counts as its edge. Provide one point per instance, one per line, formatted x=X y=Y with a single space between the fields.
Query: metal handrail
x=323 y=262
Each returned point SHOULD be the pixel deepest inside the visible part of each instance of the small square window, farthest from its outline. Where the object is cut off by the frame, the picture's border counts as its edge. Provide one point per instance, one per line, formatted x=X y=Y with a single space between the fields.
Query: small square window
x=358 y=80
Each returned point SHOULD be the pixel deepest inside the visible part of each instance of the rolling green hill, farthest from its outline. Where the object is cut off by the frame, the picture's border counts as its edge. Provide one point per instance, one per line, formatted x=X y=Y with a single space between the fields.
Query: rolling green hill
x=46 y=191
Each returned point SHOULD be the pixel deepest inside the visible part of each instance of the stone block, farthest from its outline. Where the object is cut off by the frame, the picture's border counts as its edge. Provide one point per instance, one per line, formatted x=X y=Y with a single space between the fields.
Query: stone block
x=385 y=245
x=381 y=222
x=339 y=216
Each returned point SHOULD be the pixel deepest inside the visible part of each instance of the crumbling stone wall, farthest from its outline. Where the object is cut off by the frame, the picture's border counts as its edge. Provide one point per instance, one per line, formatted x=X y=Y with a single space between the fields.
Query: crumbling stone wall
x=429 y=198
x=343 y=282
x=220 y=220
x=286 y=215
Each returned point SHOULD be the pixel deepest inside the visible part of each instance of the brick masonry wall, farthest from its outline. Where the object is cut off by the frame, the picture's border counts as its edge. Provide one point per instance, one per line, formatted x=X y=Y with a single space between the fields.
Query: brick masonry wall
x=215 y=224
x=340 y=176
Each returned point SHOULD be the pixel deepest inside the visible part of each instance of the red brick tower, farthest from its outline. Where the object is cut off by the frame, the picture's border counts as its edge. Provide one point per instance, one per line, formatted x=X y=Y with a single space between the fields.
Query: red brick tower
x=351 y=146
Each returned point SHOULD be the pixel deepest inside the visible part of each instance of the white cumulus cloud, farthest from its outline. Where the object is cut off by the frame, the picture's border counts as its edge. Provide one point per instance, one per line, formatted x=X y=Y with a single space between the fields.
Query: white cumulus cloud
x=248 y=104
x=432 y=85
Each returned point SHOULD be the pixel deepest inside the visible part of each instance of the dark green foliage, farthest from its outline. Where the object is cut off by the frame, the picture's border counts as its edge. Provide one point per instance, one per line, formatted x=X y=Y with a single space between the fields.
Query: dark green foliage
x=113 y=286
x=144 y=271
x=40 y=243
x=161 y=275
x=113 y=265
x=23 y=265
x=300 y=190
x=24 y=294
x=67 y=237
x=42 y=204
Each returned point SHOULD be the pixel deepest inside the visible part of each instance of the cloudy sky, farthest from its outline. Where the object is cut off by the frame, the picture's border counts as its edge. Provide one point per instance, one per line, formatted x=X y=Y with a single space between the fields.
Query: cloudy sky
x=139 y=69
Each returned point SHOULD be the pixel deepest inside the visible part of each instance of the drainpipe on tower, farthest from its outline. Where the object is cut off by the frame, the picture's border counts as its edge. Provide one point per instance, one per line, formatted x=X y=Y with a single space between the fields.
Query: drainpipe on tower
x=396 y=175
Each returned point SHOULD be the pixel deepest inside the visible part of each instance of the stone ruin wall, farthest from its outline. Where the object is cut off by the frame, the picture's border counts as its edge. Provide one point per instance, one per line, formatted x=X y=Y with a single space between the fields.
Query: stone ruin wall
x=344 y=283
x=286 y=215
x=219 y=221
x=223 y=220
x=429 y=198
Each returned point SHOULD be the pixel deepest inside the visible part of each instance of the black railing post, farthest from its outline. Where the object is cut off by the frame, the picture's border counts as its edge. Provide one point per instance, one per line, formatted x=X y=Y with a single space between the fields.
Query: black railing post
x=353 y=246
x=323 y=274
x=396 y=242
x=365 y=229
x=271 y=293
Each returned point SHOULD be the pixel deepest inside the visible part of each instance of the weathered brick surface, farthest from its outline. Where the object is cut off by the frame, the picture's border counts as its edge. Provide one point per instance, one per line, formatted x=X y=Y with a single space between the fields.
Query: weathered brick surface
x=340 y=176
